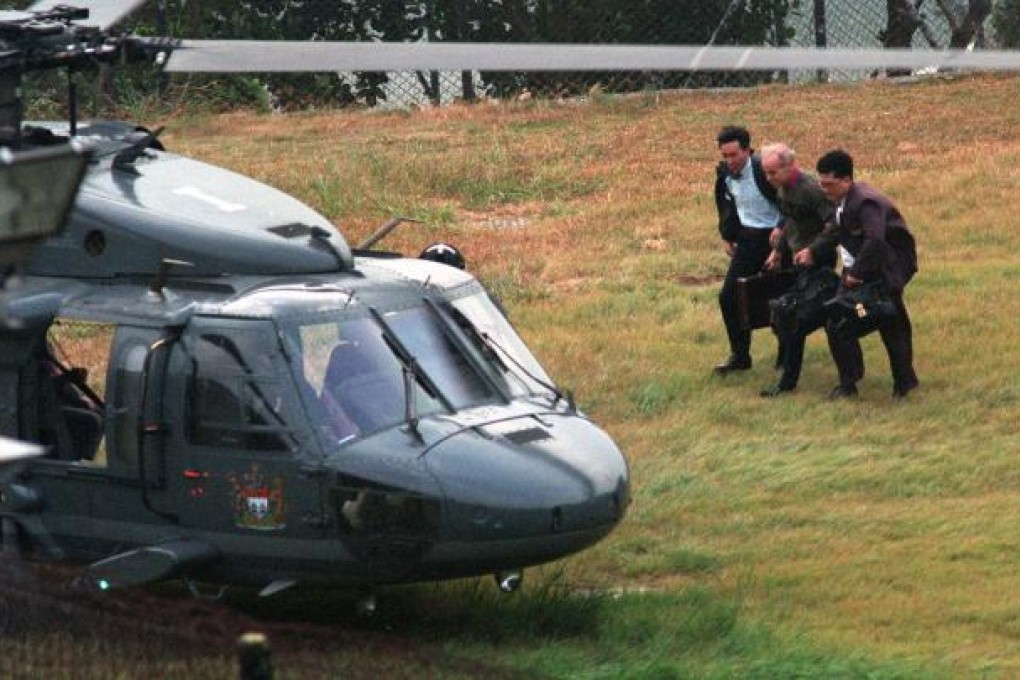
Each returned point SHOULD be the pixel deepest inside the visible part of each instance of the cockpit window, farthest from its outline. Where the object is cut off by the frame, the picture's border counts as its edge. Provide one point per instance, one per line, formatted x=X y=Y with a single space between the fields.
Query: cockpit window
x=423 y=336
x=351 y=381
x=500 y=342
x=239 y=399
x=354 y=373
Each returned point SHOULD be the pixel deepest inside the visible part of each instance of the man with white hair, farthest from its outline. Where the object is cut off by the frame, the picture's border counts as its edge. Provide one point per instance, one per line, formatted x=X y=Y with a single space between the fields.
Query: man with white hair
x=806 y=210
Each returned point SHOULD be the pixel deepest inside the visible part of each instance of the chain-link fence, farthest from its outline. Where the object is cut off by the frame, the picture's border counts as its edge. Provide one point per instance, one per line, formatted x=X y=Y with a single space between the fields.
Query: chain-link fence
x=837 y=23
x=921 y=24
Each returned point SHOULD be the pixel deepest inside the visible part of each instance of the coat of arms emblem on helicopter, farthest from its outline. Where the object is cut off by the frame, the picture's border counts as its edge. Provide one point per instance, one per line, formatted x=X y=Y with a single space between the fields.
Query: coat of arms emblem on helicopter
x=258 y=501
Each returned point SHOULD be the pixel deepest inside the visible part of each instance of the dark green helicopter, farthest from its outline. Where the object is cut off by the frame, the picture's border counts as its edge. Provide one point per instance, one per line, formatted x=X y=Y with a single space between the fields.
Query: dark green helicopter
x=277 y=408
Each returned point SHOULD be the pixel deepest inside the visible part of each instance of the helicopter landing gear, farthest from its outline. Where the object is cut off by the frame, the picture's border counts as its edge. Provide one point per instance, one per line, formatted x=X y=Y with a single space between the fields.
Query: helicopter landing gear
x=10 y=542
x=509 y=581
x=12 y=565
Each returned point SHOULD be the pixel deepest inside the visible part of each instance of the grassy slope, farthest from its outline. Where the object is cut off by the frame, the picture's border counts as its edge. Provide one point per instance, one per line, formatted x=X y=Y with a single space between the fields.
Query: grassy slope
x=874 y=527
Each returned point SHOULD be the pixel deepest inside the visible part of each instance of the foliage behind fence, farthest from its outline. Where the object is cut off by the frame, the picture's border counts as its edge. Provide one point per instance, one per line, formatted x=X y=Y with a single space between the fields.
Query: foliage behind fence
x=843 y=23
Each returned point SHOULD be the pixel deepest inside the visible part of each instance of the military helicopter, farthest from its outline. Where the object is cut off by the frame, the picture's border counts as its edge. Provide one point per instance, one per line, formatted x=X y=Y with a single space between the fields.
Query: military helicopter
x=277 y=407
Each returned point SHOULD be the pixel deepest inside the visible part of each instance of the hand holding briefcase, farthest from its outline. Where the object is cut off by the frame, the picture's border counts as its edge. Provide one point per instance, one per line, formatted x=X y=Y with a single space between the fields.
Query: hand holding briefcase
x=802 y=308
x=754 y=293
x=855 y=312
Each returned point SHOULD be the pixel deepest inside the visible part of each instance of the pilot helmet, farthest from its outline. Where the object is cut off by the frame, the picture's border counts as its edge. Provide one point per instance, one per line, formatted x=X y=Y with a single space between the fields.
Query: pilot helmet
x=444 y=253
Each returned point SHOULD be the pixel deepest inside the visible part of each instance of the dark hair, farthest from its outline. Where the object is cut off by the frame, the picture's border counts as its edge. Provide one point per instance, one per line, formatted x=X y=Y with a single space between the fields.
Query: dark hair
x=734 y=133
x=837 y=163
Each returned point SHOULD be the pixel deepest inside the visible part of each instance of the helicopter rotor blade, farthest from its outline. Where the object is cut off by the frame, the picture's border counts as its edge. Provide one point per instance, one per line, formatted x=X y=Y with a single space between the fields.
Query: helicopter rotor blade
x=228 y=56
x=102 y=13
x=14 y=451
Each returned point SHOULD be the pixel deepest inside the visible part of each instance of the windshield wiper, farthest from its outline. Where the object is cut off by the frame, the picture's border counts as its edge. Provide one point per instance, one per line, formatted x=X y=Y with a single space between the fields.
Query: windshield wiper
x=558 y=394
x=412 y=371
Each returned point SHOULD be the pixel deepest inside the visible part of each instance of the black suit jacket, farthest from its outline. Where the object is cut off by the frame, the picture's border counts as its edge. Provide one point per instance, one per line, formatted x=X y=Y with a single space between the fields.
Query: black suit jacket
x=872 y=229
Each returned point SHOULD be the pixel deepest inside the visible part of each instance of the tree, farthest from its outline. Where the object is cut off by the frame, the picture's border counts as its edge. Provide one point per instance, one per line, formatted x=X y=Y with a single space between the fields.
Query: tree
x=690 y=22
x=968 y=24
x=903 y=22
x=1006 y=21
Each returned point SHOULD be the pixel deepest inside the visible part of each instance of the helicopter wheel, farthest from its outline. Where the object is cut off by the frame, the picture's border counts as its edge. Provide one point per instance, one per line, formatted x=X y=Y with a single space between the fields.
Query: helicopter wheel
x=11 y=545
x=15 y=568
x=366 y=606
x=509 y=581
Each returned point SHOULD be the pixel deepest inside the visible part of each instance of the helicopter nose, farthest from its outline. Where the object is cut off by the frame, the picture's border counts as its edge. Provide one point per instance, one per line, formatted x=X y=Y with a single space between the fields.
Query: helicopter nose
x=543 y=487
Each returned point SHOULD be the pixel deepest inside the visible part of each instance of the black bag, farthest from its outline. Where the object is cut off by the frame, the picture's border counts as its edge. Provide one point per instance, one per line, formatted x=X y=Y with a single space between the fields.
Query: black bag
x=802 y=309
x=754 y=294
x=855 y=312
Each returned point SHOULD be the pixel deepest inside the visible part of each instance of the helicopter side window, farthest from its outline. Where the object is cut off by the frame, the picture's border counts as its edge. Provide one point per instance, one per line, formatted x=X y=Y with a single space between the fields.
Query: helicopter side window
x=71 y=365
x=238 y=399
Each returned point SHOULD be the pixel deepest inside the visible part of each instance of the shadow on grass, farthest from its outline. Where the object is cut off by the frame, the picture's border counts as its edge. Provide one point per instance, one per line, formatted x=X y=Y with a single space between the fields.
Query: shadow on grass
x=550 y=629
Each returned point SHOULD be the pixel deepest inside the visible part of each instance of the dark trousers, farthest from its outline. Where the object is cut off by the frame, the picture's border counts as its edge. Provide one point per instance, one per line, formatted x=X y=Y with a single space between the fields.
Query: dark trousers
x=793 y=341
x=752 y=250
x=897 y=336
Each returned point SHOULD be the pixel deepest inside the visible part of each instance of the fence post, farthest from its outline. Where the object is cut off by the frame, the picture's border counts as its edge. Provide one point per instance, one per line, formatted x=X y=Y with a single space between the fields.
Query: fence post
x=821 y=34
x=254 y=662
x=467 y=84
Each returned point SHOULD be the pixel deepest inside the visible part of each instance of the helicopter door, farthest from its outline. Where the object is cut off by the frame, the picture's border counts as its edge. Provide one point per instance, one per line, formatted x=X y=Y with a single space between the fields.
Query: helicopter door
x=246 y=440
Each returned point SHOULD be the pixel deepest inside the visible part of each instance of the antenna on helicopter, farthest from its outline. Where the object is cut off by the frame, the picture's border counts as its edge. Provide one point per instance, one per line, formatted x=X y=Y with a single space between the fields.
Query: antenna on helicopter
x=125 y=160
x=159 y=280
x=383 y=231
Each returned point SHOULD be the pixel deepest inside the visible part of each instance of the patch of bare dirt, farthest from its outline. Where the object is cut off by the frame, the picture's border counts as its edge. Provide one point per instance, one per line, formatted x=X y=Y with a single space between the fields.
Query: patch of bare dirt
x=698 y=279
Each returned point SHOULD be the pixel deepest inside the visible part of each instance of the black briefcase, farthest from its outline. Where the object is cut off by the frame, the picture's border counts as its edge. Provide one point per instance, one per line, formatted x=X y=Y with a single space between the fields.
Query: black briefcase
x=855 y=312
x=754 y=293
x=802 y=308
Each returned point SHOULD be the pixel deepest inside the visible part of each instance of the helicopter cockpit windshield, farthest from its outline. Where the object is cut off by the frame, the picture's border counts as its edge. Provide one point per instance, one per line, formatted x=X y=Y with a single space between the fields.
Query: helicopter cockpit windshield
x=351 y=367
x=352 y=381
x=487 y=326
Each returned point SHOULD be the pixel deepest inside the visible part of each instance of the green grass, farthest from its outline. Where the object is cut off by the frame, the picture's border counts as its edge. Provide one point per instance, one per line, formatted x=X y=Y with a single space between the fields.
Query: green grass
x=554 y=628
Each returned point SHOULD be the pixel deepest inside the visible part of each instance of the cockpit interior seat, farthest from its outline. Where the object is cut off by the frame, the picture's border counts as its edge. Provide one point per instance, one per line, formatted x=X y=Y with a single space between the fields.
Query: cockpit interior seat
x=85 y=430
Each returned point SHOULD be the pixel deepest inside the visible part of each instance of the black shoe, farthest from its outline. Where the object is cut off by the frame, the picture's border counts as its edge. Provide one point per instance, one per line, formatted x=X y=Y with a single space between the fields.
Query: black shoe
x=776 y=390
x=733 y=363
x=901 y=391
x=843 y=392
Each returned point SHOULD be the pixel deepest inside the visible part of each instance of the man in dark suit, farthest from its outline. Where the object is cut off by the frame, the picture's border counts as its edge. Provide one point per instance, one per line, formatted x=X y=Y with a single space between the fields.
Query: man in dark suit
x=877 y=246
x=749 y=222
